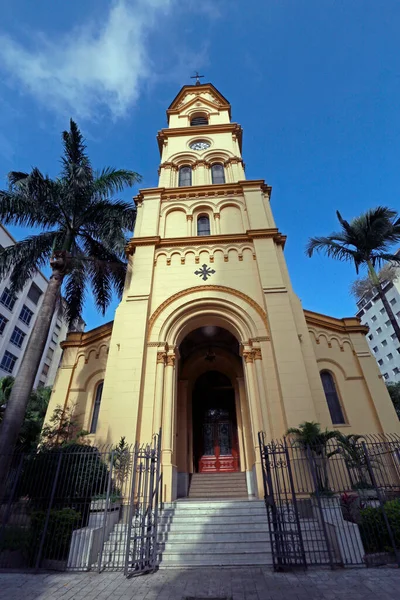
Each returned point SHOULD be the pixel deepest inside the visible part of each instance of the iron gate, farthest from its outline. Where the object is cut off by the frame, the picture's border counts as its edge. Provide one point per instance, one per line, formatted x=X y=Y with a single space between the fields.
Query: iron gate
x=81 y=508
x=335 y=504
x=280 y=500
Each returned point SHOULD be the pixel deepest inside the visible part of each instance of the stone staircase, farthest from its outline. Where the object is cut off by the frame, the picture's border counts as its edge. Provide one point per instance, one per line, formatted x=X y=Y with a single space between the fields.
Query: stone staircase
x=214 y=533
x=219 y=533
x=218 y=485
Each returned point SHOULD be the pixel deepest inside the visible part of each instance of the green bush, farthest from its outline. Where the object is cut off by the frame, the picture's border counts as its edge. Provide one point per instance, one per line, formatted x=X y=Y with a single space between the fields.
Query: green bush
x=373 y=530
x=58 y=535
x=14 y=538
x=77 y=471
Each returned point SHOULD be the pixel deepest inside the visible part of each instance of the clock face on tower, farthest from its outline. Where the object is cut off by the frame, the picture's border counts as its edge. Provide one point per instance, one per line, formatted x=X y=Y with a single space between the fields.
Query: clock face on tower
x=199 y=145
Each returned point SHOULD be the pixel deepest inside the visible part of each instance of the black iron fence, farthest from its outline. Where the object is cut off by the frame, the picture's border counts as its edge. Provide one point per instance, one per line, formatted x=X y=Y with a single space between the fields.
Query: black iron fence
x=82 y=508
x=334 y=504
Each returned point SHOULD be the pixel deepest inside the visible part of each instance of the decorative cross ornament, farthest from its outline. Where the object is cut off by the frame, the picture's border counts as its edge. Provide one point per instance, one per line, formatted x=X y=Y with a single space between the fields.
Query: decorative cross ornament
x=205 y=272
x=197 y=77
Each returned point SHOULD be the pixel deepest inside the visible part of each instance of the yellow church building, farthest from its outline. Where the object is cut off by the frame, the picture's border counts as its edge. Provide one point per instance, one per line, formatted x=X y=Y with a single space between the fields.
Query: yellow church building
x=210 y=342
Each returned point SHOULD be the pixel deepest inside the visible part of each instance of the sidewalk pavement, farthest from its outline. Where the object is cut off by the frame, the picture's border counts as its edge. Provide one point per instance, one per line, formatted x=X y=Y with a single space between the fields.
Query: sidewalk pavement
x=252 y=583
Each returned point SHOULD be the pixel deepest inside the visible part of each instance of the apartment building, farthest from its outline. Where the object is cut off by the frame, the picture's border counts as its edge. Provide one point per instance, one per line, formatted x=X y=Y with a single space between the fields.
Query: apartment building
x=381 y=337
x=18 y=315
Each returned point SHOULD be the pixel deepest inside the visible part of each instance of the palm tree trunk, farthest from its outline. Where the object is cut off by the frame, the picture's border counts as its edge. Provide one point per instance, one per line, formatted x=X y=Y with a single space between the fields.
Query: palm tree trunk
x=375 y=280
x=20 y=394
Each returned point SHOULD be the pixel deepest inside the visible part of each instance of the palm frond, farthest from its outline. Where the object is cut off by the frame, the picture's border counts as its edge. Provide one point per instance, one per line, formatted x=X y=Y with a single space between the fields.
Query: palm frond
x=21 y=261
x=74 y=292
x=110 y=181
x=330 y=248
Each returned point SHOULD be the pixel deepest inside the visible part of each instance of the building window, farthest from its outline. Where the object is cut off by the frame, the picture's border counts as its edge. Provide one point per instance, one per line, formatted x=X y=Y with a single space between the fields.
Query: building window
x=58 y=326
x=199 y=120
x=34 y=293
x=380 y=362
x=393 y=336
x=396 y=371
x=96 y=407
x=398 y=314
x=17 y=337
x=45 y=369
x=375 y=348
x=7 y=299
x=26 y=315
x=203 y=225
x=370 y=337
x=388 y=323
x=382 y=311
x=50 y=353
x=218 y=173
x=384 y=343
x=185 y=176
x=379 y=330
x=393 y=301
x=3 y=323
x=8 y=362
x=373 y=318
x=385 y=376
x=332 y=398
x=390 y=356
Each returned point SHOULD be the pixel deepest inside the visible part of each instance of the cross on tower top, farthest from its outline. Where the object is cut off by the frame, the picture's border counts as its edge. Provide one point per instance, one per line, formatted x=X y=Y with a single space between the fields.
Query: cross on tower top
x=197 y=77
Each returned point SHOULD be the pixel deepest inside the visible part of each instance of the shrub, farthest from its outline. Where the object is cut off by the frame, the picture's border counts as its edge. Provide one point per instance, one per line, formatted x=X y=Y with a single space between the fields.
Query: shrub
x=373 y=530
x=58 y=535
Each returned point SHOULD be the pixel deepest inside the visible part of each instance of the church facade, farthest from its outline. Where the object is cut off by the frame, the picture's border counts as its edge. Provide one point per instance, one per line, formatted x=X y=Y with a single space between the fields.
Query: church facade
x=210 y=342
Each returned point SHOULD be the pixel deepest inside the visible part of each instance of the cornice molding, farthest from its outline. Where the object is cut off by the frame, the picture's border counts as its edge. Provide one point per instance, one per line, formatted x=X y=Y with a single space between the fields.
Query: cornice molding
x=237 y=238
x=346 y=325
x=81 y=339
x=234 y=128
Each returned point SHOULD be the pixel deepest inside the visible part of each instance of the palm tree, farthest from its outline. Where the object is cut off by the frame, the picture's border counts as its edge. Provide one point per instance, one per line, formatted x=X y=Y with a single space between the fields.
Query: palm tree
x=83 y=233
x=365 y=241
x=310 y=436
x=349 y=446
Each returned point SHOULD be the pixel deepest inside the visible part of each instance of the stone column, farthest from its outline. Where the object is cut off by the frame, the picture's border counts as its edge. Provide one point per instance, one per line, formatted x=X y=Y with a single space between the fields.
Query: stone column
x=262 y=392
x=189 y=221
x=169 y=492
x=159 y=391
x=255 y=414
x=217 y=223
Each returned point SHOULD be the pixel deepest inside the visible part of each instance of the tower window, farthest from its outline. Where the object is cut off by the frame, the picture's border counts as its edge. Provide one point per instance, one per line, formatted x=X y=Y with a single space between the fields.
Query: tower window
x=203 y=225
x=332 y=398
x=199 y=120
x=185 y=176
x=96 y=407
x=217 y=173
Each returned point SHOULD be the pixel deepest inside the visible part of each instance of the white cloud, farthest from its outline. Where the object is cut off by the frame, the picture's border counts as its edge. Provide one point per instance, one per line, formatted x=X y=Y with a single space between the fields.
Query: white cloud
x=91 y=68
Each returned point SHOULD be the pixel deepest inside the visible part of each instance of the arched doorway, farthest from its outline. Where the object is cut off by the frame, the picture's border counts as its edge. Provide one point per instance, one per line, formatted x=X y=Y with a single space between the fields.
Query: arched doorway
x=213 y=431
x=215 y=438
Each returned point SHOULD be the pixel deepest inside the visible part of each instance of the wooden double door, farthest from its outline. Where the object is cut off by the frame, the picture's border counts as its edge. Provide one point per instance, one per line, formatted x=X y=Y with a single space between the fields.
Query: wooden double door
x=214 y=425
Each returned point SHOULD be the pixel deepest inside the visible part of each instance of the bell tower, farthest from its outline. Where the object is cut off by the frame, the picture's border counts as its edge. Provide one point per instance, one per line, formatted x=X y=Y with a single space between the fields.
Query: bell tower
x=201 y=145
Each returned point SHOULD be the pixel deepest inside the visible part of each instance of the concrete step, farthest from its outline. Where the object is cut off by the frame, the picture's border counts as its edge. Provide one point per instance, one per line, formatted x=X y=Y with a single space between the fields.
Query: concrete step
x=185 y=504
x=211 y=537
x=188 y=528
x=214 y=519
x=215 y=511
x=219 y=560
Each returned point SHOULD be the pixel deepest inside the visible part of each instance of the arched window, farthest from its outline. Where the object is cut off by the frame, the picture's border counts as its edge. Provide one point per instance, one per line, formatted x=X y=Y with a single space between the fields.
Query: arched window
x=217 y=173
x=199 y=120
x=203 y=225
x=96 y=407
x=332 y=398
x=185 y=176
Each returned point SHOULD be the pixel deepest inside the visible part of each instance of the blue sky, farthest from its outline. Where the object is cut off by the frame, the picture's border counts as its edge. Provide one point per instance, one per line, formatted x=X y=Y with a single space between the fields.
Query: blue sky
x=315 y=85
